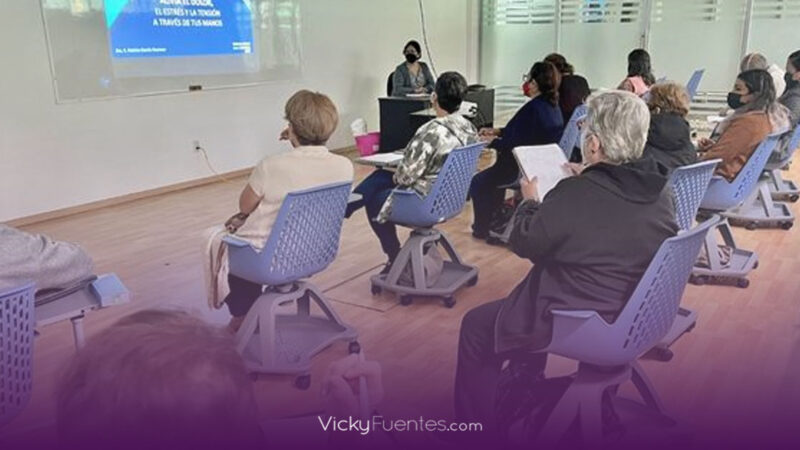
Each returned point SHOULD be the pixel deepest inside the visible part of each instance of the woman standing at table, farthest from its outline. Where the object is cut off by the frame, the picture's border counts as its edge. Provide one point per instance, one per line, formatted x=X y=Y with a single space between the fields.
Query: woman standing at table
x=412 y=76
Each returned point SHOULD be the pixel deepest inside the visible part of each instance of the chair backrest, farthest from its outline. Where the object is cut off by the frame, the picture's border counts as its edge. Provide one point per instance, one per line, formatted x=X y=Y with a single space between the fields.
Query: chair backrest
x=16 y=350
x=390 y=85
x=449 y=191
x=653 y=306
x=689 y=185
x=722 y=195
x=694 y=83
x=305 y=237
x=572 y=134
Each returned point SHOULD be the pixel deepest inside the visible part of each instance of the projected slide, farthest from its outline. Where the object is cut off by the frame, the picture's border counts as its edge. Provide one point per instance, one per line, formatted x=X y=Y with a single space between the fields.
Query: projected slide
x=169 y=28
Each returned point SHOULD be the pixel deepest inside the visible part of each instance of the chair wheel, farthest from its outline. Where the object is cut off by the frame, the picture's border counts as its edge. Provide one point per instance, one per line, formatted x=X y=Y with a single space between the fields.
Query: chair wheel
x=755 y=265
x=303 y=382
x=794 y=198
x=787 y=225
x=751 y=226
x=473 y=281
x=353 y=348
x=662 y=354
x=743 y=283
x=495 y=241
x=375 y=289
x=449 y=302
x=698 y=280
x=406 y=300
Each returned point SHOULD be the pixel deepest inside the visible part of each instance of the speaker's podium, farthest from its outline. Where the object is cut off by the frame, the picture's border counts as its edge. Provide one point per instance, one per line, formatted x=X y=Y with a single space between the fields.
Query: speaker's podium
x=401 y=116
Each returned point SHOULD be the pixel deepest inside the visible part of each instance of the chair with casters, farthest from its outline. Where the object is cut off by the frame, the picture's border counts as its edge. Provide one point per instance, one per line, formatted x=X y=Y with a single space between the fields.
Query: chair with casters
x=16 y=350
x=445 y=200
x=304 y=240
x=758 y=210
x=720 y=198
x=694 y=83
x=780 y=189
x=607 y=353
x=688 y=184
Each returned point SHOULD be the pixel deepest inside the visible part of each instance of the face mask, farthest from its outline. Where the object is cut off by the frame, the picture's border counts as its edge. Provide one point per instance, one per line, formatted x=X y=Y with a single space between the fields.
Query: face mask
x=735 y=100
x=411 y=58
x=790 y=81
x=526 y=89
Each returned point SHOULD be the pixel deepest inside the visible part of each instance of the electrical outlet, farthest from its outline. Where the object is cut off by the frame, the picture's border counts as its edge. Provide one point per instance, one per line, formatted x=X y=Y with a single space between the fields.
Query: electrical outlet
x=196 y=146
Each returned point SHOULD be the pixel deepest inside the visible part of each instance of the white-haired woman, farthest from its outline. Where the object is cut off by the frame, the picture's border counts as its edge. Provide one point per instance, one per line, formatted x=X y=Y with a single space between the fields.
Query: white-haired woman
x=591 y=239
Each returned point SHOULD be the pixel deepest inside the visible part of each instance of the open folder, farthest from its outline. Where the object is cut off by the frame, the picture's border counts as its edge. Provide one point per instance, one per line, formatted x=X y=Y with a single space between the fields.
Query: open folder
x=544 y=162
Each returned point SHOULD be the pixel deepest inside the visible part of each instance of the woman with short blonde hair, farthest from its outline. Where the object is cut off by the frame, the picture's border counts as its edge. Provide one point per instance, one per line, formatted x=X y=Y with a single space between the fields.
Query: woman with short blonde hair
x=669 y=140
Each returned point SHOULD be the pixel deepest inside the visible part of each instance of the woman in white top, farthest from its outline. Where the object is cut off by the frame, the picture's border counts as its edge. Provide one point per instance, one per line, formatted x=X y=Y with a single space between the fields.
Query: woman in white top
x=312 y=120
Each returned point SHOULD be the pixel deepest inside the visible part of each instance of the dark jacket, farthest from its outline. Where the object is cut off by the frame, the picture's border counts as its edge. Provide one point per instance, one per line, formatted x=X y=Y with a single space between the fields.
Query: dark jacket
x=791 y=100
x=538 y=122
x=573 y=91
x=590 y=240
x=669 y=141
x=402 y=84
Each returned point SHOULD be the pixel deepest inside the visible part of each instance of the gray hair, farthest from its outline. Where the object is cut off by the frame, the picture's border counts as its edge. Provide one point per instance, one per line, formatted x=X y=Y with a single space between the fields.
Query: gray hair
x=754 y=61
x=620 y=121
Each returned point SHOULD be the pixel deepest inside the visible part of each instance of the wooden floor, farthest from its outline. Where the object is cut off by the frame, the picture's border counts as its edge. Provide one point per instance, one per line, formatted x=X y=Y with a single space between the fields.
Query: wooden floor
x=741 y=364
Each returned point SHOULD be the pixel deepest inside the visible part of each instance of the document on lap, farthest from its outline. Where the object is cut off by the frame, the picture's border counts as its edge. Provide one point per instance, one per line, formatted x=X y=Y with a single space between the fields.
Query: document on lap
x=543 y=162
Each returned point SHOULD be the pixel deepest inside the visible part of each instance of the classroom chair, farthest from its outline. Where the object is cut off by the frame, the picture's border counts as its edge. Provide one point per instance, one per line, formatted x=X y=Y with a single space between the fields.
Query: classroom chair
x=719 y=198
x=607 y=353
x=689 y=185
x=780 y=189
x=758 y=209
x=694 y=83
x=75 y=301
x=446 y=200
x=303 y=242
x=572 y=133
x=16 y=350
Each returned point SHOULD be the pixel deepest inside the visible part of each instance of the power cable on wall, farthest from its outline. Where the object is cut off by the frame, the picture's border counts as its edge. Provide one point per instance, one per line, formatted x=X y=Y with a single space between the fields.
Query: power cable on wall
x=425 y=39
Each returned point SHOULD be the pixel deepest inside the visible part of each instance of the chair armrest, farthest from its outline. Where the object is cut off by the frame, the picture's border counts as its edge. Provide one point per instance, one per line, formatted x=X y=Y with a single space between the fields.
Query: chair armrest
x=235 y=242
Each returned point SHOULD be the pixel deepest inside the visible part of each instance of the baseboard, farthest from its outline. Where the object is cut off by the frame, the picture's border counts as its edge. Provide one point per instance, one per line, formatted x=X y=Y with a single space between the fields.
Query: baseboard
x=350 y=152
x=114 y=201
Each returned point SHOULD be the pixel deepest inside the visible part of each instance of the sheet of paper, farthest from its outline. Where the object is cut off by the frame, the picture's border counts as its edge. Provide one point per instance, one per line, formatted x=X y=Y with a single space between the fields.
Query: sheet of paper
x=418 y=95
x=544 y=162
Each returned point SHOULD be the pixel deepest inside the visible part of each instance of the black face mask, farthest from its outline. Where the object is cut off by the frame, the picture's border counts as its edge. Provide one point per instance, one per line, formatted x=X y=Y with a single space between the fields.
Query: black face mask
x=790 y=81
x=411 y=58
x=735 y=100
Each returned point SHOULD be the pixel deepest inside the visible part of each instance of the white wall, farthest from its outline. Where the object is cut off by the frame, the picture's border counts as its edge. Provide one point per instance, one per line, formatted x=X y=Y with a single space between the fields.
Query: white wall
x=56 y=156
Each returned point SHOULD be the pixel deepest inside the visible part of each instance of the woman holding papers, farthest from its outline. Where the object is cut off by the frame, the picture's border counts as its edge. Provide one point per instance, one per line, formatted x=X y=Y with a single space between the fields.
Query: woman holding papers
x=413 y=76
x=538 y=122
x=590 y=239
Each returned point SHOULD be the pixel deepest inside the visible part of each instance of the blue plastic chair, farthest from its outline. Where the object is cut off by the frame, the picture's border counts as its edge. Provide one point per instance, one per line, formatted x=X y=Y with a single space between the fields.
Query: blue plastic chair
x=304 y=240
x=688 y=184
x=694 y=83
x=780 y=189
x=571 y=137
x=16 y=350
x=608 y=352
x=721 y=197
x=446 y=200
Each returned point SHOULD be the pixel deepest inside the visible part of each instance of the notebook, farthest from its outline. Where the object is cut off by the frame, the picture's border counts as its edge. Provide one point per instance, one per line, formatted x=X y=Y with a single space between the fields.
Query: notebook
x=544 y=162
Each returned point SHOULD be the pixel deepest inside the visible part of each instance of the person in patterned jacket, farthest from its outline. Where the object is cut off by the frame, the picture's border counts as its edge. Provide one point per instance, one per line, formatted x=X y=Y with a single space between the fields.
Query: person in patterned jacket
x=423 y=159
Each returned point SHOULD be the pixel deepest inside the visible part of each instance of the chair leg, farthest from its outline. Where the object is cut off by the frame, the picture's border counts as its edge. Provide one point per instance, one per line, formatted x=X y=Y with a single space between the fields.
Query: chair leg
x=314 y=293
x=591 y=415
x=646 y=388
x=418 y=265
x=448 y=247
x=559 y=421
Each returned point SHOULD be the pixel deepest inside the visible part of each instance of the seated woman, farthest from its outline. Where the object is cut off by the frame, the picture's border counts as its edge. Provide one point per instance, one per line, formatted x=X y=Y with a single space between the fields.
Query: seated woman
x=758 y=61
x=538 y=122
x=423 y=159
x=50 y=264
x=312 y=120
x=640 y=74
x=412 y=76
x=669 y=140
x=574 y=89
x=756 y=115
x=580 y=238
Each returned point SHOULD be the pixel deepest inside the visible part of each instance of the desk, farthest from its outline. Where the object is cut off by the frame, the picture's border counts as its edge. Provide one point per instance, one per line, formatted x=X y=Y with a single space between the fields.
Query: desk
x=396 y=127
x=402 y=116
x=382 y=160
